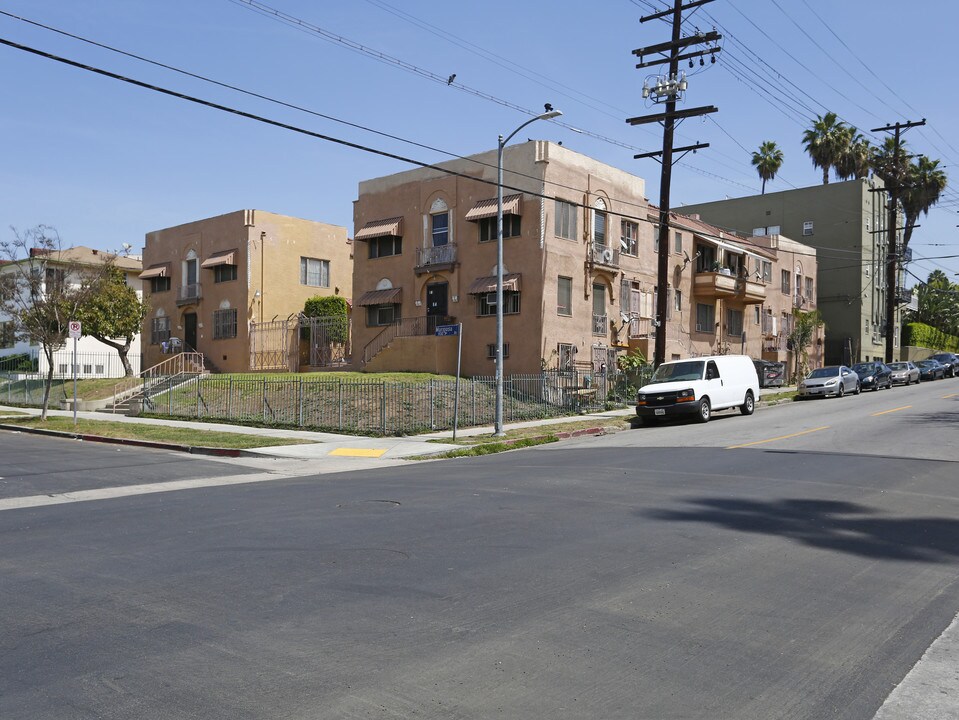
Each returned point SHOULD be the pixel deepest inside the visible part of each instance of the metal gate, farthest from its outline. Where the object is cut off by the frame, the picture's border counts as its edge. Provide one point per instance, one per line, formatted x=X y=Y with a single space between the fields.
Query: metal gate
x=328 y=340
x=274 y=345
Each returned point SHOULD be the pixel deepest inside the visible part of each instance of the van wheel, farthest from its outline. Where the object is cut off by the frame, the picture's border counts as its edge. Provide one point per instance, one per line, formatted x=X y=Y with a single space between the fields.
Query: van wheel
x=749 y=404
x=704 y=410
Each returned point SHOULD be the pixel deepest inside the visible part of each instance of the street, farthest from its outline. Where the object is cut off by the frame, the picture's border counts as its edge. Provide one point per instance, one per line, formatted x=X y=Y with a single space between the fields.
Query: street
x=792 y=564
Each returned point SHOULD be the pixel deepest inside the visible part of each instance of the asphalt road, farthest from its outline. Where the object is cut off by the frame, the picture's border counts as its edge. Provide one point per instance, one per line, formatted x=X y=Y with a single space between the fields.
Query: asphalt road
x=655 y=573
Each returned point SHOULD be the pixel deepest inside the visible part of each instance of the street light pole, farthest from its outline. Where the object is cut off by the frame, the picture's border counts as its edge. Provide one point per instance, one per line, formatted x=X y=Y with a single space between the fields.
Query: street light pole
x=501 y=143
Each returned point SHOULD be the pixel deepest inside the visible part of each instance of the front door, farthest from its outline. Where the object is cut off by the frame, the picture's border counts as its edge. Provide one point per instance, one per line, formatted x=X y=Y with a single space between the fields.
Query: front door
x=189 y=331
x=437 y=304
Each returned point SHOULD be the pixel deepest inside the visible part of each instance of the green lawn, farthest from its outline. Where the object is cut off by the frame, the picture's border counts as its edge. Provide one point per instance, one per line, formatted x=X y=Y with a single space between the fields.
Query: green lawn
x=152 y=433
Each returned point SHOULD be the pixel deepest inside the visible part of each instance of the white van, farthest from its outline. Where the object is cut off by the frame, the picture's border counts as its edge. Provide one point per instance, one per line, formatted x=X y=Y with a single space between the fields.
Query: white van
x=698 y=386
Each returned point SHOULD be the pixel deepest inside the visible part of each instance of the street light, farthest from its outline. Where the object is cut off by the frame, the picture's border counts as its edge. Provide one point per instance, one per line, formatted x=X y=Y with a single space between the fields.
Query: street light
x=548 y=115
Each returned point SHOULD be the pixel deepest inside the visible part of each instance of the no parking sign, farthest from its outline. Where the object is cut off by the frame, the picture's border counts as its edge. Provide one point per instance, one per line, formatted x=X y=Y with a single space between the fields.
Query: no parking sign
x=74 y=327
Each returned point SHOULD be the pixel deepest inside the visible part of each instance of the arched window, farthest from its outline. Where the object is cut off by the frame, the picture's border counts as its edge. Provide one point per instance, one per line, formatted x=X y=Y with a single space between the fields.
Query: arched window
x=599 y=223
x=439 y=223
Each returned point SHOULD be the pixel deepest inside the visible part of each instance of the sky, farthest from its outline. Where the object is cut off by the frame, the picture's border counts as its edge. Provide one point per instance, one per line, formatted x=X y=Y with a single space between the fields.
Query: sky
x=105 y=162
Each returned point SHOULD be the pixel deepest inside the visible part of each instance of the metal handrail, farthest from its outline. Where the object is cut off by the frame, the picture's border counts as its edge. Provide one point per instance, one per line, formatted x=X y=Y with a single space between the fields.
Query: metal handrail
x=404 y=327
x=179 y=364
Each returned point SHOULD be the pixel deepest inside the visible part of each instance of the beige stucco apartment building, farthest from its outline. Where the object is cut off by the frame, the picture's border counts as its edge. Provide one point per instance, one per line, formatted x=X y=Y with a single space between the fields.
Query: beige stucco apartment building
x=579 y=270
x=227 y=285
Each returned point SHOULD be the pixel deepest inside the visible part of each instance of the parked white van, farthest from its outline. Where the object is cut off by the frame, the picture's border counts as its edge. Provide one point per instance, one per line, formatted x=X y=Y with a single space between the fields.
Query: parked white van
x=698 y=386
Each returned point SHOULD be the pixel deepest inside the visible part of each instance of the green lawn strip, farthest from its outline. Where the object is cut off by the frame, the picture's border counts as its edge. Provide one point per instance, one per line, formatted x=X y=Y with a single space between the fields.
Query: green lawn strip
x=153 y=433
x=536 y=431
x=491 y=447
x=778 y=397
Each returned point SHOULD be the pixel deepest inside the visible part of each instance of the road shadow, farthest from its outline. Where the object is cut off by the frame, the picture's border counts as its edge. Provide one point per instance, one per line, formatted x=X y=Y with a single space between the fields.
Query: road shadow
x=829 y=524
x=936 y=418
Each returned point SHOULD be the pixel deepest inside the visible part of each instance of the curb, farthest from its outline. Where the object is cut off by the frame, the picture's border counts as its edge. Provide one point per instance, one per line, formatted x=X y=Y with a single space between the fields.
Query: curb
x=191 y=449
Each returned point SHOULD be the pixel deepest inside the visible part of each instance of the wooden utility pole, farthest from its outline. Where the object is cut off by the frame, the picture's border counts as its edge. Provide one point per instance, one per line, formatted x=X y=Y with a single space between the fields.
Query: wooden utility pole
x=894 y=179
x=668 y=90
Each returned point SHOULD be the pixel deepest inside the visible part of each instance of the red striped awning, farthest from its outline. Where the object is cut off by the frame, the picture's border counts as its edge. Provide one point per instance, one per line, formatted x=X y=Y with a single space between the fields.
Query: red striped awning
x=225 y=257
x=381 y=228
x=488 y=284
x=487 y=208
x=155 y=271
x=380 y=297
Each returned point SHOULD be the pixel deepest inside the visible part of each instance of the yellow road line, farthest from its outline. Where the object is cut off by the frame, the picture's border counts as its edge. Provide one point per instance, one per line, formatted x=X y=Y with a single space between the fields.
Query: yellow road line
x=357 y=452
x=781 y=437
x=904 y=407
x=944 y=397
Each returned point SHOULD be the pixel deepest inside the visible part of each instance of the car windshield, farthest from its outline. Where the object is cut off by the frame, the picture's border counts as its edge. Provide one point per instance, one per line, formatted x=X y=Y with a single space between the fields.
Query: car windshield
x=927 y=363
x=678 y=372
x=864 y=368
x=824 y=372
x=898 y=366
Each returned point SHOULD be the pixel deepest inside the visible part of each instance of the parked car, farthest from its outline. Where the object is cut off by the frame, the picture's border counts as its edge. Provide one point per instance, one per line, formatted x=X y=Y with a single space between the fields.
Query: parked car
x=771 y=374
x=830 y=380
x=697 y=386
x=873 y=375
x=904 y=373
x=949 y=361
x=930 y=369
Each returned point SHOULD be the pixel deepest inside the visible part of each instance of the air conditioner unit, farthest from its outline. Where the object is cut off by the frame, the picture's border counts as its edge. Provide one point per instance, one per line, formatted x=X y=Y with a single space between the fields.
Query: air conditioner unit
x=491 y=298
x=608 y=255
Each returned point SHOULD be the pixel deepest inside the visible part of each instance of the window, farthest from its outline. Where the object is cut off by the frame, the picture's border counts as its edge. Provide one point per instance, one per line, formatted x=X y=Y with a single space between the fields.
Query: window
x=54 y=279
x=491 y=351
x=706 y=262
x=159 y=284
x=756 y=314
x=629 y=239
x=599 y=309
x=807 y=227
x=224 y=273
x=88 y=369
x=440 y=228
x=678 y=300
x=62 y=368
x=734 y=322
x=486 y=303
x=785 y=282
x=764 y=269
x=705 y=318
x=487 y=227
x=224 y=324
x=379 y=315
x=809 y=288
x=315 y=273
x=678 y=243
x=384 y=246
x=599 y=223
x=564 y=296
x=774 y=230
x=98 y=369
x=7 y=335
x=565 y=220
x=565 y=353
x=159 y=330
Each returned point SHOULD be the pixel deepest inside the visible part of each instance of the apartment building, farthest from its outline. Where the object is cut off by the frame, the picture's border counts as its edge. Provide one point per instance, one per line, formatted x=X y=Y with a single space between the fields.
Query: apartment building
x=579 y=268
x=93 y=359
x=846 y=224
x=232 y=286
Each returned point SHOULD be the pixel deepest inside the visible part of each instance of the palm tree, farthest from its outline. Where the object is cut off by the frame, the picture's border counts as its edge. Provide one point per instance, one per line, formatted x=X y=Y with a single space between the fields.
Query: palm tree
x=855 y=153
x=921 y=190
x=825 y=141
x=767 y=161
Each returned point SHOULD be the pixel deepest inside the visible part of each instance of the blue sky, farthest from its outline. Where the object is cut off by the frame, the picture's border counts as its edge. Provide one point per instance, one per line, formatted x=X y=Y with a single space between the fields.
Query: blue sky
x=105 y=162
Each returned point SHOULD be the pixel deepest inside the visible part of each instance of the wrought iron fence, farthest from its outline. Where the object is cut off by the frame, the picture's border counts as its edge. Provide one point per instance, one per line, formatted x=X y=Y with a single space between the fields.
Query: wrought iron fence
x=392 y=408
x=27 y=388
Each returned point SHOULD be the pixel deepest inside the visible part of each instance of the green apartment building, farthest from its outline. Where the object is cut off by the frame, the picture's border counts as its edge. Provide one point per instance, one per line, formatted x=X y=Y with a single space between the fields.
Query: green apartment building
x=845 y=222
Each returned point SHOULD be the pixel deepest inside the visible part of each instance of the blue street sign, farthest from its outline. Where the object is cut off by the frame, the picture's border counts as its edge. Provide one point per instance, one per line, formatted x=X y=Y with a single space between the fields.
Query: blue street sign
x=447 y=330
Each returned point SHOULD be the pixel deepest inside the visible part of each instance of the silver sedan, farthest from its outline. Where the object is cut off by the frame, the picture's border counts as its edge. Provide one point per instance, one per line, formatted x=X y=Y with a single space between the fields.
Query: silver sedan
x=834 y=380
x=904 y=373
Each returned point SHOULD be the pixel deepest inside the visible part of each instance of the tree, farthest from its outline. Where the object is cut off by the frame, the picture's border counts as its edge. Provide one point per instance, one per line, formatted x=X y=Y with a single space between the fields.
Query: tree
x=113 y=314
x=923 y=186
x=938 y=303
x=854 y=155
x=767 y=161
x=805 y=324
x=42 y=291
x=825 y=142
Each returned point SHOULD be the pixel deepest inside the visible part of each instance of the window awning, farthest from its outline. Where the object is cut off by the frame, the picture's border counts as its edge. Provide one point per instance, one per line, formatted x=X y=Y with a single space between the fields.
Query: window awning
x=488 y=284
x=155 y=271
x=381 y=228
x=735 y=249
x=487 y=208
x=226 y=257
x=380 y=297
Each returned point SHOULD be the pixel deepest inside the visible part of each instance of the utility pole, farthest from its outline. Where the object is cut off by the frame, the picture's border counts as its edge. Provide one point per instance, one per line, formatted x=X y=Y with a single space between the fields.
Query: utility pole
x=668 y=90
x=895 y=178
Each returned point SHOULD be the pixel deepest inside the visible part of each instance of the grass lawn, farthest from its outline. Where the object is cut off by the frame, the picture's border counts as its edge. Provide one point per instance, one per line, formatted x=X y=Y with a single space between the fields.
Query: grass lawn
x=397 y=377
x=153 y=433
x=608 y=425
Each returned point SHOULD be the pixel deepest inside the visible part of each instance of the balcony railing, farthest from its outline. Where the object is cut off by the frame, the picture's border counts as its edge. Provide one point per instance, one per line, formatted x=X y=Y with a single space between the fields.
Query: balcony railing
x=603 y=255
x=640 y=327
x=187 y=294
x=438 y=255
x=600 y=324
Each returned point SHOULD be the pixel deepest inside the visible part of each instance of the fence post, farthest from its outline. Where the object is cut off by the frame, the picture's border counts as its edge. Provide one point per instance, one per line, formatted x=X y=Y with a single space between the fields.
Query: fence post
x=339 y=401
x=198 y=397
x=432 y=417
x=229 y=399
x=300 y=413
x=383 y=406
x=473 y=402
x=264 y=399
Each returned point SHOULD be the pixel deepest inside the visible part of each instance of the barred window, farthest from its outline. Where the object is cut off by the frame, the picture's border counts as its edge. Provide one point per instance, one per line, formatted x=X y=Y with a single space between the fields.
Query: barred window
x=314 y=272
x=224 y=324
x=224 y=273
x=159 y=284
x=511 y=227
x=159 y=330
x=379 y=315
x=491 y=350
x=486 y=303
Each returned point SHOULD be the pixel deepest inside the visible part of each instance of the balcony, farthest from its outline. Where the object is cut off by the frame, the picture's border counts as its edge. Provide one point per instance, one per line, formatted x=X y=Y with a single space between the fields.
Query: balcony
x=606 y=256
x=640 y=327
x=723 y=284
x=600 y=325
x=435 y=258
x=188 y=294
